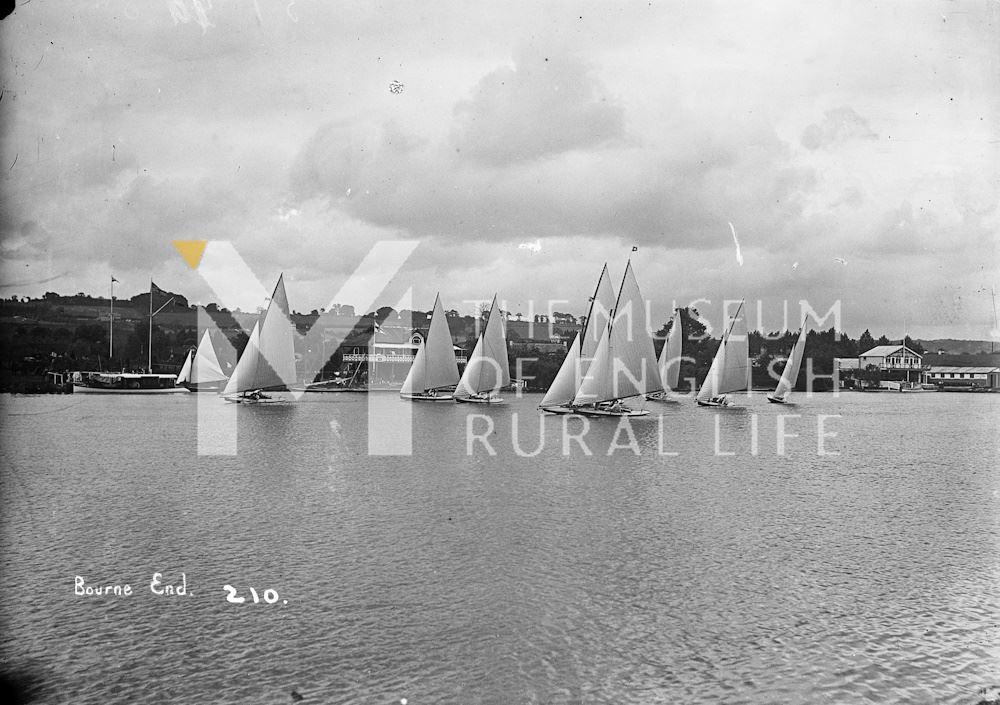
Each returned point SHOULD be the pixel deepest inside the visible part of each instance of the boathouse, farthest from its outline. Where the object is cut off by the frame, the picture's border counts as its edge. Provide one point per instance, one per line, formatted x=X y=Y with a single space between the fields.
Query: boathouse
x=884 y=365
x=890 y=357
x=963 y=378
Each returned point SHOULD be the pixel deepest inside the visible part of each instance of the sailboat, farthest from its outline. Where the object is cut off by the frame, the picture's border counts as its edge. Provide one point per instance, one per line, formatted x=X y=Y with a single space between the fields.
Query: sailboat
x=670 y=360
x=624 y=365
x=562 y=392
x=185 y=374
x=201 y=371
x=434 y=372
x=730 y=370
x=268 y=361
x=488 y=370
x=791 y=372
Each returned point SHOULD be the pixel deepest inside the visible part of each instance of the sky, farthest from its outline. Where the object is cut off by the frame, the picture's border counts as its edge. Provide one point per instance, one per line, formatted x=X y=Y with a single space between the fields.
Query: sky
x=845 y=154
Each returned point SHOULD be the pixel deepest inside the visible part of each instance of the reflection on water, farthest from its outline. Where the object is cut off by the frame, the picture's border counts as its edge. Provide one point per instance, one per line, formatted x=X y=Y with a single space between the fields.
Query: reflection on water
x=694 y=555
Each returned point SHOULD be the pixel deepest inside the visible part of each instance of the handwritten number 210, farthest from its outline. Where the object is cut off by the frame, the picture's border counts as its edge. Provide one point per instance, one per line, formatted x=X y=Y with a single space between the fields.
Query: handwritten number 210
x=270 y=596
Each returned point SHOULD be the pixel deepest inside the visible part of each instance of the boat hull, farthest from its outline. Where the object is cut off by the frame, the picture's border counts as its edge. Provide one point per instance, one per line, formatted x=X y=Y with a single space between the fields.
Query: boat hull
x=714 y=402
x=479 y=399
x=255 y=400
x=559 y=410
x=662 y=397
x=427 y=397
x=624 y=411
x=84 y=389
x=207 y=387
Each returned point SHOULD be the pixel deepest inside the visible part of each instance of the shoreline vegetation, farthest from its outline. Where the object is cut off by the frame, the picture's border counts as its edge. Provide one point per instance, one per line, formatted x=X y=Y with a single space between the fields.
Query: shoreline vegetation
x=66 y=333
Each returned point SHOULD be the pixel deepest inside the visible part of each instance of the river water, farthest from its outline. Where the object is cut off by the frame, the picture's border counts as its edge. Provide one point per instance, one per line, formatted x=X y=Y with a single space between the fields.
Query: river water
x=841 y=550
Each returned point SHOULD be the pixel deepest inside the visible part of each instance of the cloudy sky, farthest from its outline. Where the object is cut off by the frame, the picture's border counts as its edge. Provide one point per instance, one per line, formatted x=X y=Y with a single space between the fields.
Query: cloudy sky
x=853 y=146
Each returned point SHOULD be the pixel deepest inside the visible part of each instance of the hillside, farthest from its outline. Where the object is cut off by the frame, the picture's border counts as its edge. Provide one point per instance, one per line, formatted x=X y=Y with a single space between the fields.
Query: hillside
x=951 y=346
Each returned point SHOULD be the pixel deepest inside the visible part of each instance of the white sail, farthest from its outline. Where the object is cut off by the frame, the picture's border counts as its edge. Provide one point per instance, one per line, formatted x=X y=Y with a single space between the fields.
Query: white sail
x=567 y=380
x=624 y=364
x=271 y=362
x=206 y=368
x=597 y=316
x=792 y=364
x=488 y=369
x=414 y=382
x=434 y=366
x=670 y=356
x=730 y=370
x=185 y=374
x=277 y=343
x=246 y=366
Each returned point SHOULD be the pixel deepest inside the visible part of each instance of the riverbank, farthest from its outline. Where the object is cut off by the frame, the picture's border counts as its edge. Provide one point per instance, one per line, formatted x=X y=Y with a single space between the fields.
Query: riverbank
x=32 y=384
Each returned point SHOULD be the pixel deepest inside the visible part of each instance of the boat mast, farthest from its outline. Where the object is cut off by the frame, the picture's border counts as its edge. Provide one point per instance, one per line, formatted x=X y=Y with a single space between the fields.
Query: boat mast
x=590 y=311
x=111 y=324
x=993 y=293
x=149 y=349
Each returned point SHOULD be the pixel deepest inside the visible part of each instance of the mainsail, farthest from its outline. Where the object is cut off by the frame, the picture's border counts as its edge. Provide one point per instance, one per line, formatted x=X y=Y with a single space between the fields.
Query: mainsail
x=434 y=366
x=597 y=317
x=246 y=367
x=730 y=370
x=205 y=368
x=268 y=362
x=488 y=369
x=791 y=372
x=185 y=374
x=563 y=388
x=624 y=364
x=670 y=356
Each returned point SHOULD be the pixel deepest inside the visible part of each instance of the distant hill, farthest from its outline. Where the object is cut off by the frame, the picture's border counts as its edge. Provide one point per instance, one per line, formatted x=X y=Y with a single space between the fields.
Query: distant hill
x=952 y=346
x=979 y=359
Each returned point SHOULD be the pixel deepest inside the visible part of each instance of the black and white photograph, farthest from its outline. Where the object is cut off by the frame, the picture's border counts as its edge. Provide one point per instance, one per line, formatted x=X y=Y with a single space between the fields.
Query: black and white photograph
x=556 y=353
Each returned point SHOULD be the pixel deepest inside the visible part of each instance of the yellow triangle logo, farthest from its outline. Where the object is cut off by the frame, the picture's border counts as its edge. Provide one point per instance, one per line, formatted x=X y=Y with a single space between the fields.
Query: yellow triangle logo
x=191 y=251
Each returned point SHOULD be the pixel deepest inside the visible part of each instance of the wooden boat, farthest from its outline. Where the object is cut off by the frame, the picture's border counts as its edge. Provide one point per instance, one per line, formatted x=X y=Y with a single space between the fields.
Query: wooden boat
x=791 y=372
x=730 y=370
x=268 y=361
x=488 y=369
x=624 y=365
x=124 y=383
x=201 y=371
x=434 y=372
x=562 y=392
x=669 y=361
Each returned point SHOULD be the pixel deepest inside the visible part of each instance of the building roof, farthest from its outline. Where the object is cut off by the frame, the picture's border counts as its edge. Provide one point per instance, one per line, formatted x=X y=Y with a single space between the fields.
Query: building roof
x=886 y=350
x=966 y=370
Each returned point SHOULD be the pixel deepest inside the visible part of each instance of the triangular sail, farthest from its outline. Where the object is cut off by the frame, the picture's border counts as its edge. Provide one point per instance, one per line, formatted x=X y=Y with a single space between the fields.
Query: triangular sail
x=596 y=385
x=206 y=367
x=277 y=344
x=792 y=364
x=730 y=370
x=434 y=366
x=597 y=316
x=488 y=369
x=246 y=366
x=414 y=382
x=670 y=356
x=185 y=374
x=271 y=364
x=567 y=379
x=625 y=361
